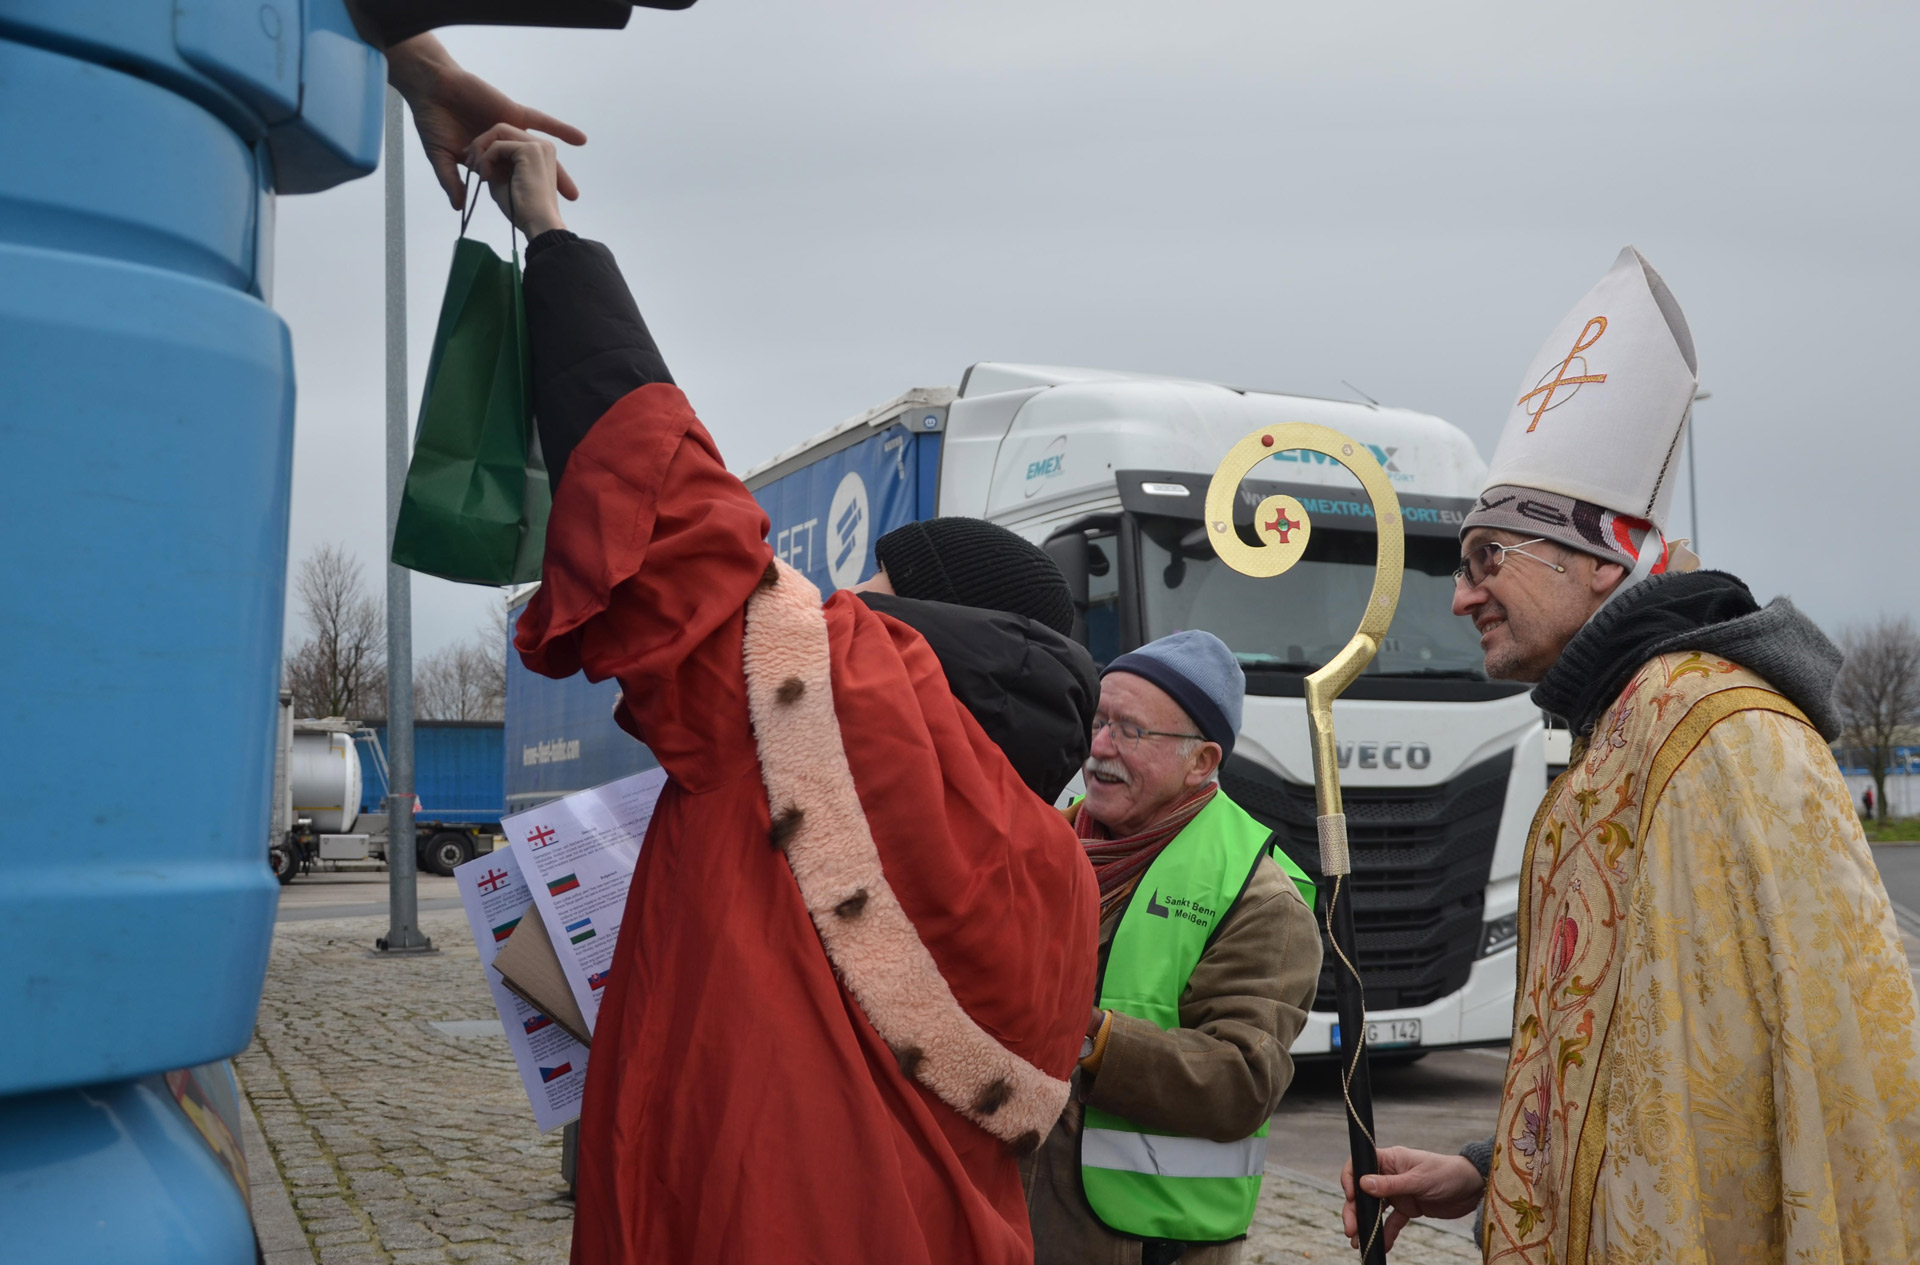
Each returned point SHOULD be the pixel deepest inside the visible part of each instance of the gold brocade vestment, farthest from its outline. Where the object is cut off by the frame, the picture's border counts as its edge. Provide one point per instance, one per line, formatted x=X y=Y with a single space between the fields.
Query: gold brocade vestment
x=1714 y=1054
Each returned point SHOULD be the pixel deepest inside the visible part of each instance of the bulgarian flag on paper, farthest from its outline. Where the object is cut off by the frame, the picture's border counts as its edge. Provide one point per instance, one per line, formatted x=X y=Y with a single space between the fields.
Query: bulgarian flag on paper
x=565 y=883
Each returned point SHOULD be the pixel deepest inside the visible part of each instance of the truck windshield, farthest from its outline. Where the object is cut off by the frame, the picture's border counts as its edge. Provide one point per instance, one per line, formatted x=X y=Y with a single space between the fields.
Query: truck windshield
x=1297 y=623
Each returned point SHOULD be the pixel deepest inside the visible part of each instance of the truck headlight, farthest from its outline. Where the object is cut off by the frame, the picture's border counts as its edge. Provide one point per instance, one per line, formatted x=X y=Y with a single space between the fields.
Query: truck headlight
x=1499 y=933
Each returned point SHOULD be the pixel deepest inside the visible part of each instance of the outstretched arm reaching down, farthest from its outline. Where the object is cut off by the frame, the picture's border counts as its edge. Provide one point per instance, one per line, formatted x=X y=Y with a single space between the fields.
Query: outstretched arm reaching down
x=453 y=107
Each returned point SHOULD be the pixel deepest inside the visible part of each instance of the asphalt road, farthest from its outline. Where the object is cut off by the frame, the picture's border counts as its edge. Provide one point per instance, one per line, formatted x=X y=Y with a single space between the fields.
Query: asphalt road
x=356 y=894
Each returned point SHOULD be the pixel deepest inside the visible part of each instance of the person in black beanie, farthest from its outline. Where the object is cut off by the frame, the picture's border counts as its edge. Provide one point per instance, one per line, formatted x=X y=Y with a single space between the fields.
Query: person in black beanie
x=971 y=562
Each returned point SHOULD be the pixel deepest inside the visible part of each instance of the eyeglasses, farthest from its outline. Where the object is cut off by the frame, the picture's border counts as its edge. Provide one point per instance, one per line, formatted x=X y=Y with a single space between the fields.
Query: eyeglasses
x=1483 y=562
x=1132 y=733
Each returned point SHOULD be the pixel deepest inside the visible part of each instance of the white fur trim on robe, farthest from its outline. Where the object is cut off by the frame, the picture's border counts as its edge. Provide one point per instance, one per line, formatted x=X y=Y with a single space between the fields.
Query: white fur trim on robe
x=872 y=944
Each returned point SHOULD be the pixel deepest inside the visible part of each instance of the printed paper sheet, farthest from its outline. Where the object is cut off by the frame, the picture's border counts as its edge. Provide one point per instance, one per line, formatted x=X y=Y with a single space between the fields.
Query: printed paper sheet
x=553 y=1066
x=578 y=855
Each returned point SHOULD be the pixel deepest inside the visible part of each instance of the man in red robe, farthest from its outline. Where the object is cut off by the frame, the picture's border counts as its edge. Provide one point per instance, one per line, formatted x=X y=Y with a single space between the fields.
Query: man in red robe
x=853 y=970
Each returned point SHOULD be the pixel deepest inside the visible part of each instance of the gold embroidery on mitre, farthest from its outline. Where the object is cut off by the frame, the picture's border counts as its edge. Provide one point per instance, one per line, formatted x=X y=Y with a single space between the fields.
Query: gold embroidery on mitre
x=1545 y=390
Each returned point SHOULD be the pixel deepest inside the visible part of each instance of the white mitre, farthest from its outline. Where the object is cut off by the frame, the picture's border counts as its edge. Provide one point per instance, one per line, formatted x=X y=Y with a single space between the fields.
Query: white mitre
x=1591 y=446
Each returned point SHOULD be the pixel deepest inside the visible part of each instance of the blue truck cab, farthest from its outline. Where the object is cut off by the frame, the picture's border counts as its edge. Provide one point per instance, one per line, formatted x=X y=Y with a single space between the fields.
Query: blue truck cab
x=149 y=418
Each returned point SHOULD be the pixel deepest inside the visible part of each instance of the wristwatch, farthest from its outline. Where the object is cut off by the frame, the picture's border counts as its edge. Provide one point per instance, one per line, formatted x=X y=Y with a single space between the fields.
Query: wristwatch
x=1086 y=1048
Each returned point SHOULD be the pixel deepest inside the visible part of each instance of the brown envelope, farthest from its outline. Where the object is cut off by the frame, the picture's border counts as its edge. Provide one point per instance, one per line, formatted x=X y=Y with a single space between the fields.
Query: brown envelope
x=530 y=969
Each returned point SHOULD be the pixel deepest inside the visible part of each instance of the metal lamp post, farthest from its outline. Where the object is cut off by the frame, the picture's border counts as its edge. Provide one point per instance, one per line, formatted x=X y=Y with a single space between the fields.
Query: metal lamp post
x=403 y=897
x=1693 y=483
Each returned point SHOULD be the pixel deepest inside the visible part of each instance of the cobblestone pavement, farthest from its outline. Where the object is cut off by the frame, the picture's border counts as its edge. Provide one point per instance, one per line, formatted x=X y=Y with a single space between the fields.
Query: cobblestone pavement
x=398 y=1143
x=1299 y=1221
x=401 y=1144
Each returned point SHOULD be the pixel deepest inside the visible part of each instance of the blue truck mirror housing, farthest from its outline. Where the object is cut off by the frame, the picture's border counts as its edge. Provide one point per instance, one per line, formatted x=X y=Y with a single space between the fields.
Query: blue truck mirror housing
x=336 y=135
x=256 y=55
x=307 y=74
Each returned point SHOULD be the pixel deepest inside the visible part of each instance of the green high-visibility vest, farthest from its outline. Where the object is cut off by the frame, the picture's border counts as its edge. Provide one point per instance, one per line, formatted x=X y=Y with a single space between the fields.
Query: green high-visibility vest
x=1141 y=1181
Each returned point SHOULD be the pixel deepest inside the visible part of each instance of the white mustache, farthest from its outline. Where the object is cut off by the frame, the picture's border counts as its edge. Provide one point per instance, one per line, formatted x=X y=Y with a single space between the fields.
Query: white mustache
x=1108 y=768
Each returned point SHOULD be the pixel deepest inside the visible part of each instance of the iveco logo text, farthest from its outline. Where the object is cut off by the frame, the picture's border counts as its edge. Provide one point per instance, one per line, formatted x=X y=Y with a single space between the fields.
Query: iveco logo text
x=1387 y=755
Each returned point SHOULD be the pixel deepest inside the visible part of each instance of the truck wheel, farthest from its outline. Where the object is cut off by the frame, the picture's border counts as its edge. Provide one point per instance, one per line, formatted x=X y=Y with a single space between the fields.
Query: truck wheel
x=447 y=850
x=283 y=861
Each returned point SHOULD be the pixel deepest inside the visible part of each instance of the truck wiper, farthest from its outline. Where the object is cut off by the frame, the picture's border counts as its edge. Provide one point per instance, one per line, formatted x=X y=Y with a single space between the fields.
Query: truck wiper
x=1276 y=665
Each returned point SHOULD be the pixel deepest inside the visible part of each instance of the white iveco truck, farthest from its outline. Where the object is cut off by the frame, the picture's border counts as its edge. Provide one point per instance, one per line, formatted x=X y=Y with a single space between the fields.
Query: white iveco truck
x=1442 y=768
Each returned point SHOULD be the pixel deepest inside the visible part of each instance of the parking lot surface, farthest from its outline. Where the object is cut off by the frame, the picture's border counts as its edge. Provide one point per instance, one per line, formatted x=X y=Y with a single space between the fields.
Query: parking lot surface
x=405 y=1142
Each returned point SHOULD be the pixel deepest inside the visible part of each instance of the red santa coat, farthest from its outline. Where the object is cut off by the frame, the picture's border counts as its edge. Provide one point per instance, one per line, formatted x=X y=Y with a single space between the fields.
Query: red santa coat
x=752 y=1096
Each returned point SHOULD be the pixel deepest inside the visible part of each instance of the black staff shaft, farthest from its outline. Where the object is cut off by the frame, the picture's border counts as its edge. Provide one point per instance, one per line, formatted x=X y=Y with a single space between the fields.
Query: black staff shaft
x=1353 y=1067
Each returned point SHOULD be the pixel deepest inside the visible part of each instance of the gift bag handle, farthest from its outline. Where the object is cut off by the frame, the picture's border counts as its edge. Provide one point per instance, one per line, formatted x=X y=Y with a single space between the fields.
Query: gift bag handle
x=513 y=229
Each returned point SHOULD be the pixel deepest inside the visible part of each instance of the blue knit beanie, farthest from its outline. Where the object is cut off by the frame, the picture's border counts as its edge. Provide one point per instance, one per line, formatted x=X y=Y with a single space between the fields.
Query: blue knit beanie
x=1201 y=674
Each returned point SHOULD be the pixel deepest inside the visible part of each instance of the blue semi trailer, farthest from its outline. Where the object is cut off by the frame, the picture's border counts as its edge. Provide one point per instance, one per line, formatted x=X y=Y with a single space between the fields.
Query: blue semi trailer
x=456 y=779
x=560 y=736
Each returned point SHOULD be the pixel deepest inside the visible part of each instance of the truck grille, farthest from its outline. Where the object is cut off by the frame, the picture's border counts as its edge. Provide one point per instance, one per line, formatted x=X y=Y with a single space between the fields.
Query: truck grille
x=1421 y=858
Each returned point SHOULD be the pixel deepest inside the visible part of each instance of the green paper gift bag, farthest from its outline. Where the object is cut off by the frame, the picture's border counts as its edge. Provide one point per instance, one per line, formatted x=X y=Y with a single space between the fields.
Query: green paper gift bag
x=476 y=498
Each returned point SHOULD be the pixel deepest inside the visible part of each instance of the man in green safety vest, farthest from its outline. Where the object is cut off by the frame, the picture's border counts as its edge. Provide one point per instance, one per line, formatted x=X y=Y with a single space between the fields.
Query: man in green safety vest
x=1209 y=956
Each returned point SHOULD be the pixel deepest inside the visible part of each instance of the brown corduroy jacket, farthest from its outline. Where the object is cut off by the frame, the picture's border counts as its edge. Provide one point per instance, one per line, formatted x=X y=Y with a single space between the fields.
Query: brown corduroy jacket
x=1218 y=1075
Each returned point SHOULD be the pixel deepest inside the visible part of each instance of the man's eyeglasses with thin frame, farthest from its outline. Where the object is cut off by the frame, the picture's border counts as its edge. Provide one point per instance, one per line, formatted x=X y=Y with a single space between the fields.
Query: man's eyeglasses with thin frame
x=1482 y=562
x=1133 y=733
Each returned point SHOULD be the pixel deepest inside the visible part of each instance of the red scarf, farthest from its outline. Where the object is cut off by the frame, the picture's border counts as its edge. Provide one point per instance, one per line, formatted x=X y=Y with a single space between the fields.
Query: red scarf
x=1119 y=863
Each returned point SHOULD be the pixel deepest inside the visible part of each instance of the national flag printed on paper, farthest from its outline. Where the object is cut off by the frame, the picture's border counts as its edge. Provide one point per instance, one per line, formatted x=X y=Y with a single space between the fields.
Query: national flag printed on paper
x=565 y=883
x=598 y=980
x=535 y=1022
x=548 y=1074
x=578 y=931
x=504 y=930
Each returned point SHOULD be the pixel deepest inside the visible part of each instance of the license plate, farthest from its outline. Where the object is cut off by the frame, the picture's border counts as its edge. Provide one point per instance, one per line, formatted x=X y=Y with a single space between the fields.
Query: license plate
x=1383 y=1033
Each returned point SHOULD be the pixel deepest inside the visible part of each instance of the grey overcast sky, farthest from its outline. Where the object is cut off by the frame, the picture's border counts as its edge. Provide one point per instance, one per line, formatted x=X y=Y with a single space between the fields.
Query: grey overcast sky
x=820 y=203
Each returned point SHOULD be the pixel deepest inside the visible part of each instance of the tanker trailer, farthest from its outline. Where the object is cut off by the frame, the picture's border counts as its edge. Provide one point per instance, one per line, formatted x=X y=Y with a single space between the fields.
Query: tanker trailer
x=317 y=790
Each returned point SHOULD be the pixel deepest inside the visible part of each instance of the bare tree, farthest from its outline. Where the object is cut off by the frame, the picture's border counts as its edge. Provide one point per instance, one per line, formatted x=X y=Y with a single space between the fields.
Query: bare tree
x=341 y=668
x=467 y=681
x=1878 y=693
